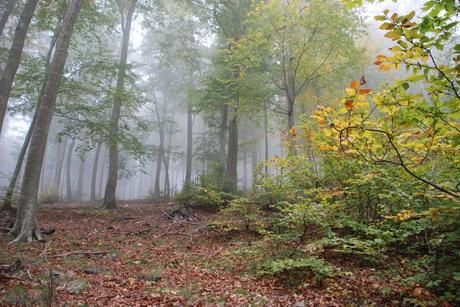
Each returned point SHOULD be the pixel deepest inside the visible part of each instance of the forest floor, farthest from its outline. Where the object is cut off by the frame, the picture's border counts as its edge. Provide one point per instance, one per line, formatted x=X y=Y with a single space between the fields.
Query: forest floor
x=138 y=256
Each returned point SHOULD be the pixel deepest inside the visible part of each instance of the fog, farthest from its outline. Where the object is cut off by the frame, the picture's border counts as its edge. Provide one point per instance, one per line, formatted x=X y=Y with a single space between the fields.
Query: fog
x=171 y=51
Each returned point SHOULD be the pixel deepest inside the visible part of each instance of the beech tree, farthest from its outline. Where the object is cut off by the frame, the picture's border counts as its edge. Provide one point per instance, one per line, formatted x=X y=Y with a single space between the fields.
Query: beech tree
x=128 y=8
x=6 y=10
x=14 y=57
x=26 y=225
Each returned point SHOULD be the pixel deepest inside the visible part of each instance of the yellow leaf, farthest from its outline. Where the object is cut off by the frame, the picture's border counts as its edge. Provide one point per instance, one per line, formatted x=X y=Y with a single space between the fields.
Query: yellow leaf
x=386 y=66
x=350 y=91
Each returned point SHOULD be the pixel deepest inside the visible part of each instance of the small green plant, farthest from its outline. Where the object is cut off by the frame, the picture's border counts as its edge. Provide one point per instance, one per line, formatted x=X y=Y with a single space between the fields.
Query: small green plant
x=295 y=269
x=16 y=296
x=241 y=214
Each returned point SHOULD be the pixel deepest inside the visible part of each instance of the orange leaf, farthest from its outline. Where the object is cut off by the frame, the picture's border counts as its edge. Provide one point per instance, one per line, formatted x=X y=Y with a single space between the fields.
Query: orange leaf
x=349 y=105
x=365 y=91
x=354 y=84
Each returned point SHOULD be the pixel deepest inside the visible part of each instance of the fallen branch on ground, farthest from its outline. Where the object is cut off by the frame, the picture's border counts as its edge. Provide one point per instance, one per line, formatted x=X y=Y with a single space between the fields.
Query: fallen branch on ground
x=10 y=277
x=79 y=253
x=179 y=220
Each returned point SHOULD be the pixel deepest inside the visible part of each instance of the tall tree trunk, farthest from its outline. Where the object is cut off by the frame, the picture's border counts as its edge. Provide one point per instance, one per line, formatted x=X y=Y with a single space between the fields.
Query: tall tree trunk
x=111 y=187
x=266 y=135
x=25 y=144
x=26 y=226
x=254 y=163
x=167 y=160
x=42 y=183
x=156 y=188
x=94 y=172
x=14 y=57
x=103 y=171
x=6 y=8
x=223 y=133
x=188 y=166
x=231 y=174
x=69 y=171
x=245 y=170
x=60 y=155
x=81 y=176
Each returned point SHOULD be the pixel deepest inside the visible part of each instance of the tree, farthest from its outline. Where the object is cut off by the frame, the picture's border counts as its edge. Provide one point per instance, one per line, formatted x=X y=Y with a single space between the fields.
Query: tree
x=6 y=10
x=26 y=225
x=305 y=41
x=111 y=187
x=404 y=125
x=14 y=57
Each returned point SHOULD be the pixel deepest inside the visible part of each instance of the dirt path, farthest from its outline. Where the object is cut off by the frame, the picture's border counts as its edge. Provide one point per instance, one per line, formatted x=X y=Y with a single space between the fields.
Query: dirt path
x=148 y=260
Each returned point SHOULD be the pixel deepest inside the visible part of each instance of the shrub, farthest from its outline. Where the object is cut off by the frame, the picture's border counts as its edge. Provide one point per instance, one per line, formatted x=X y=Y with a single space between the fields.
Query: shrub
x=295 y=270
x=241 y=214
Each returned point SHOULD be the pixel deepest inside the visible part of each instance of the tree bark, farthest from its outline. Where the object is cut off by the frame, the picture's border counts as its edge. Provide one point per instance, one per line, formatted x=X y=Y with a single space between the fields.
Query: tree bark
x=111 y=187
x=188 y=166
x=7 y=8
x=94 y=172
x=245 y=170
x=254 y=163
x=14 y=57
x=25 y=145
x=81 y=176
x=266 y=135
x=156 y=188
x=69 y=171
x=60 y=156
x=25 y=227
x=231 y=174
x=223 y=133
x=103 y=171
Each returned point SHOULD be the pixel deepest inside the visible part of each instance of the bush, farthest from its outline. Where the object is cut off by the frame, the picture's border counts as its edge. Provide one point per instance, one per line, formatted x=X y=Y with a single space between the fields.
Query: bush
x=241 y=214
x=295 y=270
x=203 y=194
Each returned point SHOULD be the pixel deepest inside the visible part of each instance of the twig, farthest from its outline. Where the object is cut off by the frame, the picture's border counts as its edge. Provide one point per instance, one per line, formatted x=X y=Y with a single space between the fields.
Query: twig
x=79 y=253
x=10 y=277
x=45 y=251
x=30 y=275
x=179 y=220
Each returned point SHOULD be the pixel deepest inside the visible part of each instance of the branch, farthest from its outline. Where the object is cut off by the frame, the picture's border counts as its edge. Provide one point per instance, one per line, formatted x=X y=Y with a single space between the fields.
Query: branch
x=79 y=253
x=400 y=159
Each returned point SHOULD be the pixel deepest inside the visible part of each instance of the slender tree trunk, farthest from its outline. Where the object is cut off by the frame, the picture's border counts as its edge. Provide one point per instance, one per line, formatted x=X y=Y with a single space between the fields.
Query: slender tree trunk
x=94 y=172
x=25 y=145
x=69 y=171
x=26 y=226
x=254 y=163
x=7 y=8
x=168 y=160
x=14 y=57
x=60 y=156
x=42 y=182
x=231 y=175
x=10 y=191
x=245 y=170
x=188 y=167
x=223 y=133
x=111 y=187
x=102 y=179
x=266 y=135
x=81 y=176
x=156 y=188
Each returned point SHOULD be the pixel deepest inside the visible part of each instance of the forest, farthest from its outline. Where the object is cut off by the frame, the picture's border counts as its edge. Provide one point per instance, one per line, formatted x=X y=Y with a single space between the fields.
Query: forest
x=229 y=153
